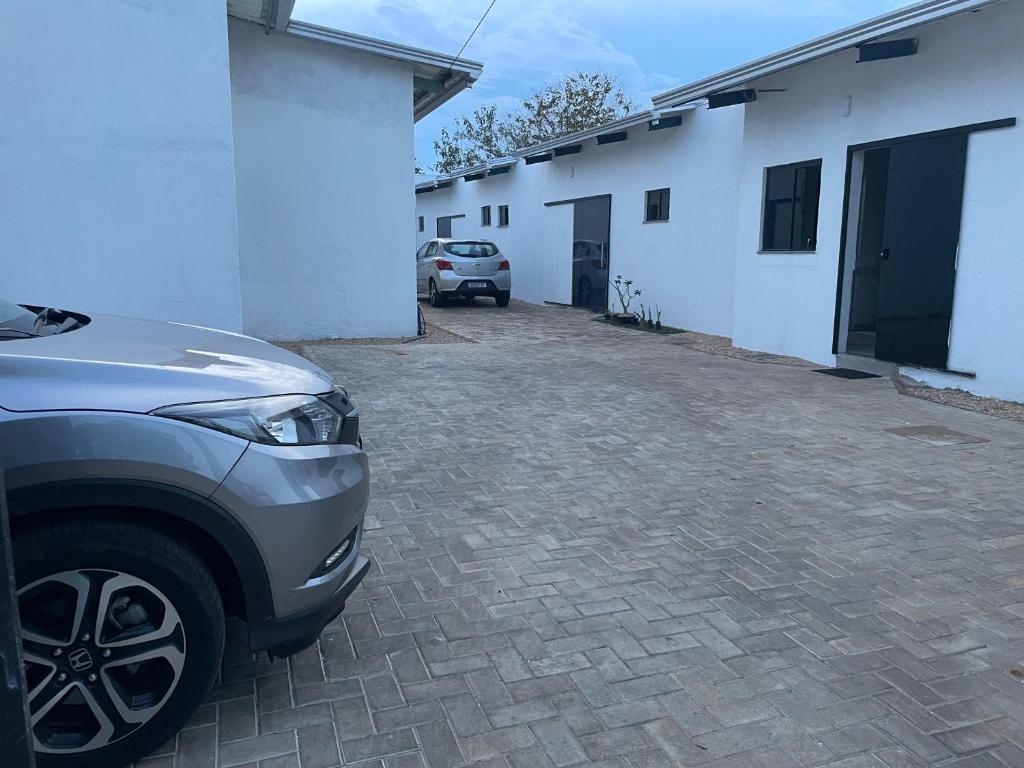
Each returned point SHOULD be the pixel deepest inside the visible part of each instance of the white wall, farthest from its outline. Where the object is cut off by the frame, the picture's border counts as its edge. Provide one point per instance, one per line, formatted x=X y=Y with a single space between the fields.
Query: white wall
x=684 y=265
x=324 y=163
x=116 y=170
x=968 y=70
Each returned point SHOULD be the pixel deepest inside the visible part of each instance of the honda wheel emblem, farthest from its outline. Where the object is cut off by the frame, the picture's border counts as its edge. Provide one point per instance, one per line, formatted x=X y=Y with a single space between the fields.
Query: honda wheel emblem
x=80 y=660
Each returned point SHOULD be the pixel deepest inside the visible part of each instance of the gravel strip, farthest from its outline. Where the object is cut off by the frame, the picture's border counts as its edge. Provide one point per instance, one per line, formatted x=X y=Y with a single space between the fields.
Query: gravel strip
x=435 y=335
x=722 y=345
x=958 y=398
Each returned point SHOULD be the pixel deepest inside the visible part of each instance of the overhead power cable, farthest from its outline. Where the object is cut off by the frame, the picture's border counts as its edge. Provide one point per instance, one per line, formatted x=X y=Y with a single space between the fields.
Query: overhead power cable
x=470 y=36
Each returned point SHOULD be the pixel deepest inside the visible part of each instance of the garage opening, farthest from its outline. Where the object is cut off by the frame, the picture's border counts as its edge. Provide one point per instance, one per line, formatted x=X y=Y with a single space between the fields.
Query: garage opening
x=900 y=247
x=906 y=231
x=590 y=235
x=444 y=224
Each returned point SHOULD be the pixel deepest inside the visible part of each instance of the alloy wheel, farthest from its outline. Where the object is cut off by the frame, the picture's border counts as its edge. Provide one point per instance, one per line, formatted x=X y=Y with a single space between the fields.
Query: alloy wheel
x=103 y=651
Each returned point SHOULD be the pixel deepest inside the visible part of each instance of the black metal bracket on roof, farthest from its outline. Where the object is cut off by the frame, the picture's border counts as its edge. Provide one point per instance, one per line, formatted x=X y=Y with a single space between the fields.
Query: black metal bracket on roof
x=474 y=176
x=499 y=171
x=442 y=184
x=888 y=49
x=731 y=98
x=611 y=138
x=572 y=149
x=424 y=190
x=539 y=158
x=672 y=121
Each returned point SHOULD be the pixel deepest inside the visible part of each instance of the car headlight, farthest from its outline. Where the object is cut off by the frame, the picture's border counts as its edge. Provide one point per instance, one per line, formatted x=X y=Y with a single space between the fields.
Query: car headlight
x=282 y=420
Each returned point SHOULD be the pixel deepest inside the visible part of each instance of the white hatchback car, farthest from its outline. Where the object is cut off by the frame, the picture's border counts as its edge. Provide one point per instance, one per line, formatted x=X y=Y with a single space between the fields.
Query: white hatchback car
x=448 y=268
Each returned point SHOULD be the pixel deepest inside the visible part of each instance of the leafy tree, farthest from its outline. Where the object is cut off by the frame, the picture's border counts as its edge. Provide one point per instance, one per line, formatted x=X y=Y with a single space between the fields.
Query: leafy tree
x=580 y=101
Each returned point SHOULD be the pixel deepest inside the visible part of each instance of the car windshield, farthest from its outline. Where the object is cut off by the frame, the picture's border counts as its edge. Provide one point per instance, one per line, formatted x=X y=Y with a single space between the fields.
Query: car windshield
x=18 y=322
x=471 y=250
x=14 y=317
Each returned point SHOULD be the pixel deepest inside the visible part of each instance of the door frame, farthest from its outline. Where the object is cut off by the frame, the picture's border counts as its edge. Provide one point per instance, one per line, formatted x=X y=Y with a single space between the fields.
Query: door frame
x=848 y=185
x=586 y=199
x=450 y=218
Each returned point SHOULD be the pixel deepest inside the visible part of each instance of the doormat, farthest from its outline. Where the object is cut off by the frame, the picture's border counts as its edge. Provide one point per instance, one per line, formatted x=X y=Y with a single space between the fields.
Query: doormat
x=847 y=373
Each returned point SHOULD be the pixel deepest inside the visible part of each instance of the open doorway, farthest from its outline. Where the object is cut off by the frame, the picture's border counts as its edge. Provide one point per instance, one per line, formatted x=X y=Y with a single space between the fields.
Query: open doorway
x=444 y=224
x=575 y=247
x=904 y=204
x=590 y=235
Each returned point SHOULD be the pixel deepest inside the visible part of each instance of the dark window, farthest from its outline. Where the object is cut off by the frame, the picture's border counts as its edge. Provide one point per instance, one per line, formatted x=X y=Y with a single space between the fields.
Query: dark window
x=791 y=207
x=485 y=216
x=502 y=215
x=657 y=205
x=419 y=223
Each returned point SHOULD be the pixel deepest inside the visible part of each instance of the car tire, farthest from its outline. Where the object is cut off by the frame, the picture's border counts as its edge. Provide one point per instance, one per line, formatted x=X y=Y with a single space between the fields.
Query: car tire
x=502 y=298
x=150 y=649
x=436 y=299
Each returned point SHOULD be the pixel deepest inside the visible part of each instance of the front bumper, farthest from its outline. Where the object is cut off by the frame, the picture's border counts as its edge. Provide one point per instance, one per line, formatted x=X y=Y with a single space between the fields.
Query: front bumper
x=298 y=503
x=284 y=637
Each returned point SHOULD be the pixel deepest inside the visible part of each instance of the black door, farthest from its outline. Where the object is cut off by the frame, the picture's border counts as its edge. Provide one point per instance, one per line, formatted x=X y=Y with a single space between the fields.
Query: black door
x=591 y=221
x=924 y=198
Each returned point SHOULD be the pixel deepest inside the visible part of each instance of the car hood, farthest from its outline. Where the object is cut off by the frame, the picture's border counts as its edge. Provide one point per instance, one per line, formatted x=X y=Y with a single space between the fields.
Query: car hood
x=123 y=364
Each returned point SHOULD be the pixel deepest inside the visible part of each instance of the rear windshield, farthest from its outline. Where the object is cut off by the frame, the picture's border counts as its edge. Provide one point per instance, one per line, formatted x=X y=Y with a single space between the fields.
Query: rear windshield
x=471 y=250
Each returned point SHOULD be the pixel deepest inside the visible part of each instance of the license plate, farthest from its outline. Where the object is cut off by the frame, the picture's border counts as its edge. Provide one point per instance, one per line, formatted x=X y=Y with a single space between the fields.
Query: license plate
x=476 y=284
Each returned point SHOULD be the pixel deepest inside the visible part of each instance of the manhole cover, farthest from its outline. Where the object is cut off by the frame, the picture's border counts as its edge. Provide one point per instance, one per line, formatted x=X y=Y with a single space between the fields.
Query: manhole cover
x=935 y=435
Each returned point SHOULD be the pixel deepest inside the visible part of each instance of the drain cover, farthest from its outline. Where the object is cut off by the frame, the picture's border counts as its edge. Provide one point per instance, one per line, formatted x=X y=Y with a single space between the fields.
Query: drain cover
x=934 y=435
x=847 y=373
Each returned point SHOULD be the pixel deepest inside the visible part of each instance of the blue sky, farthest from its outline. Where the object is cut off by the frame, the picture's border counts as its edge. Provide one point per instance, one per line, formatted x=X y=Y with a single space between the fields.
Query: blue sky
x=649 y=45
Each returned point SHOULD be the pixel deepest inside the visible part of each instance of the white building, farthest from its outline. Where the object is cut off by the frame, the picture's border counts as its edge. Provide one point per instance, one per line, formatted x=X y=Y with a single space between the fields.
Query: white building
x=219 y=165
x=857 y=205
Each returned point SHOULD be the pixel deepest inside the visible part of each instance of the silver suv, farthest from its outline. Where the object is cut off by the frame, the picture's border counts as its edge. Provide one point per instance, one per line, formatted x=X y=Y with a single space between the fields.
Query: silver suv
x=161 y=477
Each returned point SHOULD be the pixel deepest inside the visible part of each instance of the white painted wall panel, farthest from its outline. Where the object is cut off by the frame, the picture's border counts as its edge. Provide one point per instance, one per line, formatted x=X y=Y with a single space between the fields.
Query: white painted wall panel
x=116 y=169
x=556 y=253
x=324 y=162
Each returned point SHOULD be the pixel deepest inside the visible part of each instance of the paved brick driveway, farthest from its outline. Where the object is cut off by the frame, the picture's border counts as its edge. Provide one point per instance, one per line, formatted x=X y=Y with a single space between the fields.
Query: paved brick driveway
x=597 y=547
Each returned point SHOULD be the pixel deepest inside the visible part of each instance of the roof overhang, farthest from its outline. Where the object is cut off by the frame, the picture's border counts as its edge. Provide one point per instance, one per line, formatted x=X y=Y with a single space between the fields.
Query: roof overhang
x=881 y=26
x=272 y=14
x=651 y=118
x=437 y=77
x=496 y=167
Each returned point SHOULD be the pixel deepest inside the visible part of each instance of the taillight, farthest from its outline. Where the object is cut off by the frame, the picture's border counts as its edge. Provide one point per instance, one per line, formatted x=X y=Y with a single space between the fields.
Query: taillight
x=444 y=264
x=503 y=265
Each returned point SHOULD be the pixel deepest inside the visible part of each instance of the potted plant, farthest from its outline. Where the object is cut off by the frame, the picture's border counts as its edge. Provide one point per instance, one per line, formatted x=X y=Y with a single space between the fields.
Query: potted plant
x=624 y=288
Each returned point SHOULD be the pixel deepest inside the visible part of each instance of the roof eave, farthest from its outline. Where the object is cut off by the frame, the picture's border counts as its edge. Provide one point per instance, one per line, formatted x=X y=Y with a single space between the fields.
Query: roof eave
x=386 y=48
x=880 y=26
x=629 y=121
x=451 y=85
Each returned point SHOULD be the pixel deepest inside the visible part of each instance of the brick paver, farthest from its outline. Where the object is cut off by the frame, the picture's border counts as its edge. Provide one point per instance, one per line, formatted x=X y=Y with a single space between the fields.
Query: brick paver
x=597 y=547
